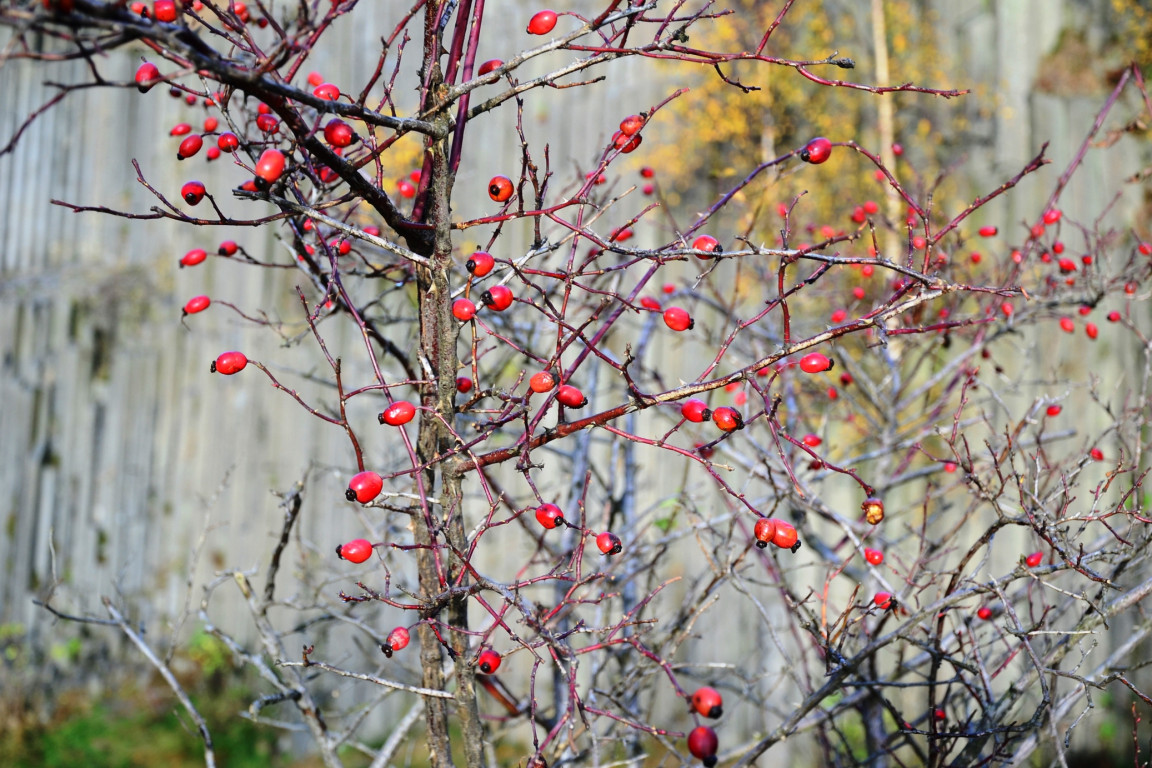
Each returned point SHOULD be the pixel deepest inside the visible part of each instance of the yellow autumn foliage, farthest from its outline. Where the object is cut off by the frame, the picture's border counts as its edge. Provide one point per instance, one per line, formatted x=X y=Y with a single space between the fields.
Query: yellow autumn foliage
x=721 y=133
x=1133 y=23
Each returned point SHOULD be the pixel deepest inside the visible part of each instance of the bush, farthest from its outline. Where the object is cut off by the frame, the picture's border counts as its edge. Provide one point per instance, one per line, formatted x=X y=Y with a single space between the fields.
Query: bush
x=853 y=460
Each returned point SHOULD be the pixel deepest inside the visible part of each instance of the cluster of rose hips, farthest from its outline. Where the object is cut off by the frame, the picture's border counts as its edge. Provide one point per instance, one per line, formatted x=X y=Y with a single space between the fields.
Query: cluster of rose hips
x=268 y=168
x=729 y=419
x=702 y=740
x=487 y=661
x=191 y=141
x=169 y=11
x=311 y=235
x=818 y=150
x=550 y=516
x=497 y=298
x=366 y=486
x=272 y=163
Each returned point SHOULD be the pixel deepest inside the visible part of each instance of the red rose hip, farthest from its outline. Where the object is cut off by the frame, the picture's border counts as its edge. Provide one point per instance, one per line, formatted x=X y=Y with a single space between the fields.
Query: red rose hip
x=364 y=487
x=488 y=661
x=816 y=151
x=702 y=743
x=326 y=91
x=695 y=411
x=549 y=516
x=678 y=319
x=397 y=641
x=481 y=263
x=489 y=66
x=727 y=419
x=355 y=551
x=227 y=142
x=463 y=309
x=571 y=397
x=193 y=257
x=542 y=23
x=708 y=244
x=147 y=75
x=229 y=363
x=270 y=165
x=542 y=382
x=609 y=543
x=193 y=192
x=164 y=10
x=631 y=125
x=625 y=143
x=498 y=297
x=786 y=536
x=500 y=188
x=339 y=134
x=400 y=412
x=765 y=531
x=196 y=304
x=189 y=147
x=814 y=362
x=708 y=702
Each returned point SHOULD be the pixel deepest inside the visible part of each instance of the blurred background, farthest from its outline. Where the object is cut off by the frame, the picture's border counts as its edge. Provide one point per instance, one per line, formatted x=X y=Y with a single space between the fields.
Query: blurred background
x=127 y=471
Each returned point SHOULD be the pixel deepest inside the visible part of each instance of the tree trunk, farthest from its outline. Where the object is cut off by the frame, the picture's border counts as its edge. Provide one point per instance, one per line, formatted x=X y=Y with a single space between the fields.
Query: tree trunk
x=437 y=524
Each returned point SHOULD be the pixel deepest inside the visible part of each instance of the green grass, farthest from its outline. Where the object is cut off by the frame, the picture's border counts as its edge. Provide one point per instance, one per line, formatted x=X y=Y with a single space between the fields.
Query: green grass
x=141 y=724
x=137 y=727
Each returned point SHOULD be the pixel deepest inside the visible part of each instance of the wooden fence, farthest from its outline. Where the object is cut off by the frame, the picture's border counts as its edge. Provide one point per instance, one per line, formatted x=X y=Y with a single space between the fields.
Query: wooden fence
x=118 y=451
